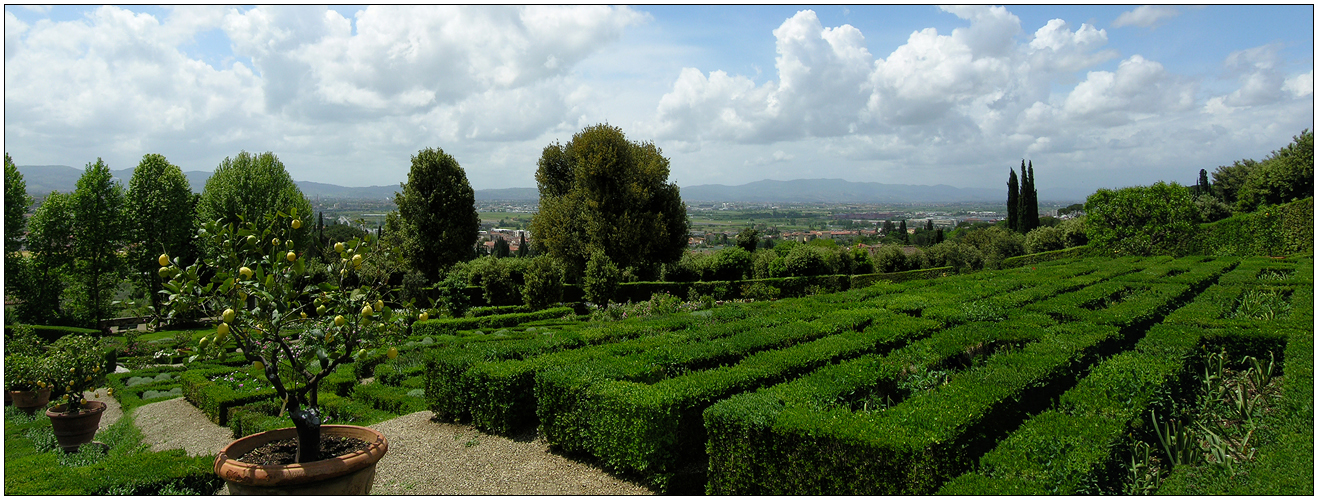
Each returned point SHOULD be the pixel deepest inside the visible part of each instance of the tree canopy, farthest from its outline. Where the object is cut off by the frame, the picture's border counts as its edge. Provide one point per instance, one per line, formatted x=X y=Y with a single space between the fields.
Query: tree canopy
x=1141 y=220
x=601 y=193
x=1285 y=175
x=97 y=233
x=160 y=217
x=252 y=186
x=437 y=214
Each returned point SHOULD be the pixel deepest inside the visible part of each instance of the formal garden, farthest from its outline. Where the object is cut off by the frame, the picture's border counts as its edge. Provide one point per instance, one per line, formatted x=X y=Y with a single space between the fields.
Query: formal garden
x=1169 y=356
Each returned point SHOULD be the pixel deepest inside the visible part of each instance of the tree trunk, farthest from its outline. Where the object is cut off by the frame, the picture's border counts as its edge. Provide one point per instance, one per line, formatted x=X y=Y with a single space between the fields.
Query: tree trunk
x=308 y=432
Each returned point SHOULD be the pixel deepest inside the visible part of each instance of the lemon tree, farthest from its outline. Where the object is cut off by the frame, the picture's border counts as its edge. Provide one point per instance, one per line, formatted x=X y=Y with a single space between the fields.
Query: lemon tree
x=294 y=331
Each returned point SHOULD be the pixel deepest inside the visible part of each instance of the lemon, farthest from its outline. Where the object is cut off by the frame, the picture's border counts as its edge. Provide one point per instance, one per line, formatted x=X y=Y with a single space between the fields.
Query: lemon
x=203 y=342
x=367 y=311
x=245 y=271
x=291 y=256
x=165 y=273
x=338 y=247
x=423 y=316
x=379 y=305
x=357 y=260
x=251 y=239
x=320 y=311
x=164 y=260
x=361 y=353
x=304 y=315
x=228 y=315
x=223 y=329
x=274 y=241
x=259 y=365
x=393 y=353
x=339 y=321
x=297 y=223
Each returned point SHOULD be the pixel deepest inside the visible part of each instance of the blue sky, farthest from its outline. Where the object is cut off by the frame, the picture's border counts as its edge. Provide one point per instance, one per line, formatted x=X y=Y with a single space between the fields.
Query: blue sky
x=1094 y=95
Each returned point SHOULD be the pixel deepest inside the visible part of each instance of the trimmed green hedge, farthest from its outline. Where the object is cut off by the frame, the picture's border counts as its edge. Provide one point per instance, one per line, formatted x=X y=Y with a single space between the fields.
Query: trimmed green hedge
x=1053 y=255
x=765 y=443
x=215 y=399
x=1278 y=230
x=1079 y=447
x=129 y=468
x=53 y=333
x=656 y=428
x=450 y=326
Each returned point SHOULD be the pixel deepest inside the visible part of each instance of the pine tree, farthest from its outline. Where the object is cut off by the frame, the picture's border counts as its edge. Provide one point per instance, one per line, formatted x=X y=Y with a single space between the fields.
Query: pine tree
x=1013 y=200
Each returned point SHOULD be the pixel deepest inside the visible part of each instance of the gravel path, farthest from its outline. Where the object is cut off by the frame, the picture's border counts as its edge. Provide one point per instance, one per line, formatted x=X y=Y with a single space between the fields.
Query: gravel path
x=432 y=458
x=175 y=423
x=424 y=458
x=112 y=412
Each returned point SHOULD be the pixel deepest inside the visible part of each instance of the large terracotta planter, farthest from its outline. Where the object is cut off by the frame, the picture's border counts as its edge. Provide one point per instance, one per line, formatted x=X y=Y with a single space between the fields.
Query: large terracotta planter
x=350 y=474
x=75 y=429
x=30 y=401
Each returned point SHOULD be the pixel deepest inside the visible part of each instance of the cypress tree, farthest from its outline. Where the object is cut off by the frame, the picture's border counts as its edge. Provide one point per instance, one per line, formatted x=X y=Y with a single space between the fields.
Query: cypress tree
x=1013 y=200
x=905 y=237
x=1032 y=207
x=1203 y=187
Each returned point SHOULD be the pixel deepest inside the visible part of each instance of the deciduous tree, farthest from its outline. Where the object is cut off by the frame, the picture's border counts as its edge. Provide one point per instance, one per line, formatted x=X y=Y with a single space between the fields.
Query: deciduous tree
x=1141 y=220
x=98 y=234
x=250 y=187
x=601 y=193
x=1285 y=175
x=16 y=203
x=160 y=218
x=437 y=213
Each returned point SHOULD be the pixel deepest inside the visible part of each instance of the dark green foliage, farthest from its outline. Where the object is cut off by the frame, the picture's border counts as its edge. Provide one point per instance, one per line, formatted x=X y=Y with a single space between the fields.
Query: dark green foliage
x=600 y=281
x=16 y=203
x=98 y=232
x=1013 y=199
x=437 y=210
x=1284 y=176
x=1274 y=230
x=732 y=263
x=1143 y=220
x=160 y=219
x=249 y=187
x=449 y=326
x=544 y=282
x=601 y=193
x=215 y=399
x=1228 y=179
x=748 y=239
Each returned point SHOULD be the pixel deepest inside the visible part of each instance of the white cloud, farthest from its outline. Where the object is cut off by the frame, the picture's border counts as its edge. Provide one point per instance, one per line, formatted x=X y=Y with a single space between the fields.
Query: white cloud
x=1139 y=88
x=778 y=156
x=1300 y=85
x=1145 y=16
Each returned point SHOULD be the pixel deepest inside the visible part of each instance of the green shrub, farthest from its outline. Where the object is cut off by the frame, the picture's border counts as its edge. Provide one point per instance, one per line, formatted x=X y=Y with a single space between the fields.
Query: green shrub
x=544 y=282
x=1141 y=220
x=600 y=282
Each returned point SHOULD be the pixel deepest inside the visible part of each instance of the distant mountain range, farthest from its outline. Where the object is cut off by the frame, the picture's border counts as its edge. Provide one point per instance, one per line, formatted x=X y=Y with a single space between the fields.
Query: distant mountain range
x=42 y=179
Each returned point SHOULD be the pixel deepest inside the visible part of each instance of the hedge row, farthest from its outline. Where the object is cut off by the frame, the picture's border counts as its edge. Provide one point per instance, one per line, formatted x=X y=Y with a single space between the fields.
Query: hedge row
x=261 y=416
x=1080 y=447
x=1279 y=230
x=767 y=443
x=500 y=395
x=1063 y=255
x=1269 y=271
x=450 y=326
x=53 y=333
x=1123 y=304
x=216 y=399
x=655 y=428
x=129 y=468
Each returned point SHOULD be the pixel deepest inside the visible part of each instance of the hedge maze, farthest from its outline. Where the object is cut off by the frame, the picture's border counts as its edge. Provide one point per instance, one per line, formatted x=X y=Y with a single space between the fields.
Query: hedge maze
x=1038 y=379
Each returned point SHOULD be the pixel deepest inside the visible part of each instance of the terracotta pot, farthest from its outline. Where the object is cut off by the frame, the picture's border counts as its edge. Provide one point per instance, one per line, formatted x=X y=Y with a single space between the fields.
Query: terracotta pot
x=350 y=474
x=75 y=429
x=30 y=401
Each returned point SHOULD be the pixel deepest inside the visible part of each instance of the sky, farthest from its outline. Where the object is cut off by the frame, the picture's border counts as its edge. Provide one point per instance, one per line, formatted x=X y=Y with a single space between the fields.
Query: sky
x=1093 y=95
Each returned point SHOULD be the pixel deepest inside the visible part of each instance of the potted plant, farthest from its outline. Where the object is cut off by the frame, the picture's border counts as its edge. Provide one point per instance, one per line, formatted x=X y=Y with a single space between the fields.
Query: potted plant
x=76 y=366
x=296 y=333
x=26 y=380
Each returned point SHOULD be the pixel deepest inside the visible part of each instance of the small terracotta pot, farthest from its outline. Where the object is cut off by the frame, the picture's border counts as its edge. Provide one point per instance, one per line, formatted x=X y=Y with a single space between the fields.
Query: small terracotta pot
x=350 y=474
x=73 y=430
x=30 y=401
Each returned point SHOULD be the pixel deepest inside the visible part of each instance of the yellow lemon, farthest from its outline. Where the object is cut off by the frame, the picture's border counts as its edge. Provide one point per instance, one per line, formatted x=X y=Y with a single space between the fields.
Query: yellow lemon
x=164 y=260
x=165 y=273
x=259 y=365
x=367 y=311
x=357 y=260
x=379 y=305
x=245 y=272
x=223 y=329
x=320 y=311
x=274 y=241
x=393 y=352
x=291 y=256
x=228 y=315
x=297 y=223
x=339 y=321
x=304 y=315
x=338 y=247
x=423 y=316
x=203 y=342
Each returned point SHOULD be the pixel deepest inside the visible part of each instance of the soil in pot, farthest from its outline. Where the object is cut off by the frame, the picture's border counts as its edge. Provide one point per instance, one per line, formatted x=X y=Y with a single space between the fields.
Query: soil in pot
x=284 y=451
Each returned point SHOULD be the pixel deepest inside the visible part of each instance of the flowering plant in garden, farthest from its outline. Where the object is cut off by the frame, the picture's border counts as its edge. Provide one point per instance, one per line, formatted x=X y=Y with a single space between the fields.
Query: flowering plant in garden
x=294 y=331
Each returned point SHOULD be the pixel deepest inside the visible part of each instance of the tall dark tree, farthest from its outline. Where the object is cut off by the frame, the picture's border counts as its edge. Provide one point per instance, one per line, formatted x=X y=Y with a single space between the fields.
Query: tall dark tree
x=906 y=238
x=603 y=194
x=929 y=225
x=1013 y=200
x=501 y=249
x=1202 y=187
x=98 y=233
x=160 y=219
x=437 y=210
x=522 y=249
x=1031 y=215
x=748 y=239
x=16 y=203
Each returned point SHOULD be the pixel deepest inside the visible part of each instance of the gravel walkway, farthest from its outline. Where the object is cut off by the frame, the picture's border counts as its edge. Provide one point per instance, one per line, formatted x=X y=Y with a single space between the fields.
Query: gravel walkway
x=424 y=458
